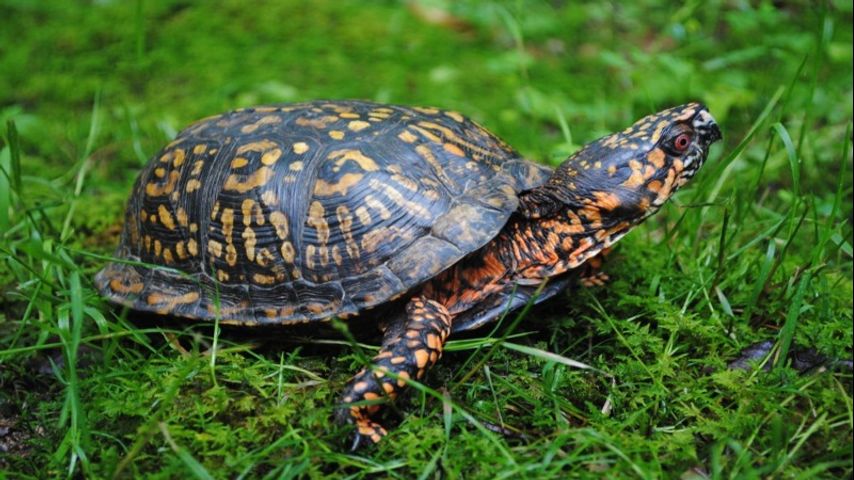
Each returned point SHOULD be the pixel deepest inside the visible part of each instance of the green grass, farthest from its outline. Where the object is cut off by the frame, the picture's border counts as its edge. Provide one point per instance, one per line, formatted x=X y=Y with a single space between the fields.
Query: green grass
x=758 y=247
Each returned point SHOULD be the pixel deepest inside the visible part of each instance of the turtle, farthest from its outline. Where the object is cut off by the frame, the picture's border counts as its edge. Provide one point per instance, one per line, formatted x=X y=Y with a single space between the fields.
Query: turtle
x=300 y=213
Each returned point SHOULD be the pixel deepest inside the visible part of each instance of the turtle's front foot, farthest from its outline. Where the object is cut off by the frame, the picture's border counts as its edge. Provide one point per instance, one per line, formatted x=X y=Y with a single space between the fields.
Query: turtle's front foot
x=367 y=432
x=408 y=350
x=357 y=408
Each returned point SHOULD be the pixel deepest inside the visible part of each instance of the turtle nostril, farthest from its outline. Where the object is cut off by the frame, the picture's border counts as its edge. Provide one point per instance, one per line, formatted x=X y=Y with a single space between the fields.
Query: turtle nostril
x=715 y=133
x=706 y=125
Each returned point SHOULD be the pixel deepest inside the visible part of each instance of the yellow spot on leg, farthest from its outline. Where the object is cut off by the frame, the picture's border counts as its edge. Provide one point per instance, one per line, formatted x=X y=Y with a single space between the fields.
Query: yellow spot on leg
x=421 y=358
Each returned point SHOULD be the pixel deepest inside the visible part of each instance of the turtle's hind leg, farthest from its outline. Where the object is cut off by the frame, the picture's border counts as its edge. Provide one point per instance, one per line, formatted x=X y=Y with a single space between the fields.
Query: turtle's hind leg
x=409 y=348
x=591 y=274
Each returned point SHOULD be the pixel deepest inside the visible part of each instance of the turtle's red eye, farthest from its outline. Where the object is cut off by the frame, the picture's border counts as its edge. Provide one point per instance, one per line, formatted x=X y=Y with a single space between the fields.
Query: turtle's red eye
x=681 y=142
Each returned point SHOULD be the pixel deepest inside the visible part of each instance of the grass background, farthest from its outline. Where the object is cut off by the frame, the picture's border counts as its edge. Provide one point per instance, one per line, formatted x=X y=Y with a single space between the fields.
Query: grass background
x=758 y=247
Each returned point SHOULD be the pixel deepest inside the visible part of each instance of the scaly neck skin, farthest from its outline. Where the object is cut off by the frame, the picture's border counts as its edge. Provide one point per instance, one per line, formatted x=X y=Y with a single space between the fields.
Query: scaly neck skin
x=544 y=239
x=540 y=248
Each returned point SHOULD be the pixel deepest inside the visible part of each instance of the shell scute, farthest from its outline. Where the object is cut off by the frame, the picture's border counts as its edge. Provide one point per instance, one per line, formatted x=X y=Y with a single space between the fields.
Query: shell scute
x=294 y=213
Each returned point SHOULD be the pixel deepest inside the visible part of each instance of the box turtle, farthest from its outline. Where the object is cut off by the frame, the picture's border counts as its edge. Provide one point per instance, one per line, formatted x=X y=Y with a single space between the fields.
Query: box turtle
x=299 y=213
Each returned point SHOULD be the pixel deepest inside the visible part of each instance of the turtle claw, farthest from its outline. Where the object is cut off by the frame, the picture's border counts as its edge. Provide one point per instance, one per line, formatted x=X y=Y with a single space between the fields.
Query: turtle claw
x=367 y=433
x=597 y=279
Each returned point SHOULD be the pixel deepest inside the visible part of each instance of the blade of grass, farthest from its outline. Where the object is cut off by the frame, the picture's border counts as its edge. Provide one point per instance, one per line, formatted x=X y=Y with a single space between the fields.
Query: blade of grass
x=15 y=159
x=787 y=333
x=794 y=162
x=193 y=465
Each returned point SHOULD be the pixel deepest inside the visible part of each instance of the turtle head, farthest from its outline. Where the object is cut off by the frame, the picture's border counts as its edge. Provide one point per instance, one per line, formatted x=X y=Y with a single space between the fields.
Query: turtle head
x=628 y=175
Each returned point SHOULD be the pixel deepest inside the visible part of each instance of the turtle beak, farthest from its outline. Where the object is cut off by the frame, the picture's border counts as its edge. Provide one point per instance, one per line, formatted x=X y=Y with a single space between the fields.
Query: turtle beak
x=706 y=126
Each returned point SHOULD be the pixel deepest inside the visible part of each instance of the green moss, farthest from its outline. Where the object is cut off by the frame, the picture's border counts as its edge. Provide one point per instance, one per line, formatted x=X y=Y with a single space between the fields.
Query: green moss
x=737 y=255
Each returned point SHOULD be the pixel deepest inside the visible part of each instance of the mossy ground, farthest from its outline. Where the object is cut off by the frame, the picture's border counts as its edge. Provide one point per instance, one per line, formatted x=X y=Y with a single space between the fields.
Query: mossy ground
x=757 y=247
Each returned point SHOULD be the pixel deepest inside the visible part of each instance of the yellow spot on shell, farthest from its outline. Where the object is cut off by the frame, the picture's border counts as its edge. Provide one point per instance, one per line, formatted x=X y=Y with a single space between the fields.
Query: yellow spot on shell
x=342 y=156
x=405 y=182
x=261 y=279
x=156 y=190
x=178 y=158
x=159 y=172
x=214 y=248
x=309 y=256
x=377 y=206
x=167 y=256
x=244 y=183
x=316 y=219
x=288 y=252
x=280 y=222
x=322 y=188
x=455 y=116
x=336 y=134
x=264 y=257
x=269 y=198
x=180 y=250
x=193 y=185
x=364 y=215
x=426 y=110
x=227 y=223
x=192 y=247
x=318 y=123
x=251 y=210
x=166 y=217
x=230 y=255
x=300 y=147
x=345 y=223
x=407 y=136
x=398 y=198
x=295 y=166
x=453 y=149
x=358 y=125
x=200 y=149
x=271 y=157
x=348 y=115
x=249 y=242
x=239 y=162
x=268 y=120
x=259 y=146
x=221 y=275
x=181 y=214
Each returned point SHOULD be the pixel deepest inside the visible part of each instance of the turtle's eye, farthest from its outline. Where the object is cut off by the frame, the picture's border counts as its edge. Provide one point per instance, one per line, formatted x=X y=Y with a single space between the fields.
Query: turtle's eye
x=681 y=142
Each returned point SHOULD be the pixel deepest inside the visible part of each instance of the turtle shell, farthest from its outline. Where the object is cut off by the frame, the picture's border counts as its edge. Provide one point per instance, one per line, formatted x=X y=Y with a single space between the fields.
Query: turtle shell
x=292 y=213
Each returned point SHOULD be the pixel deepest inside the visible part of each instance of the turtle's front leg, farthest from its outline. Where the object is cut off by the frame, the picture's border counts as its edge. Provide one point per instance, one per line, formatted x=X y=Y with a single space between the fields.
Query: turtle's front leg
x=408 y=350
